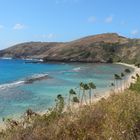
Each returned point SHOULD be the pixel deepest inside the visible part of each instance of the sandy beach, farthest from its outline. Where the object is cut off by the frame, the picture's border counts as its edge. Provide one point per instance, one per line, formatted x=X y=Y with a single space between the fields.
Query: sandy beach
x=130 y=79
x=106 y=94
x=125 y=85
x=117 y=90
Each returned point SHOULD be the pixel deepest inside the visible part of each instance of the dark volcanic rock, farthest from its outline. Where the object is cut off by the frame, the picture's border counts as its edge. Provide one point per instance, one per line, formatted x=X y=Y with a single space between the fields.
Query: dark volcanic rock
x=36 y=78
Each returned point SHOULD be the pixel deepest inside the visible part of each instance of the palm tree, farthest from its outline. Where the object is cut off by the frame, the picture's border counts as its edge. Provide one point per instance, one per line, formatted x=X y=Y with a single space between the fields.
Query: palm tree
x=91 y=86
x=122 y=78
x=30 y=113
x=133 y=77
x=117 y=78
x=115 y=81
x=86 y=87
x=122 y=74
x=71 y=93
x=137 y=75
x=82 y=87
x=75 y=99
x=113 y=86
x=59 y=96
x=60 y=103
x=127 y=71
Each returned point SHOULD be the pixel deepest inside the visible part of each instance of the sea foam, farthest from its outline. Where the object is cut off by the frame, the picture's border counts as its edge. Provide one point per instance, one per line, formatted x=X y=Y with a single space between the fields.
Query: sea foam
x=77 y=69
x=31 y=79
x=10 y=85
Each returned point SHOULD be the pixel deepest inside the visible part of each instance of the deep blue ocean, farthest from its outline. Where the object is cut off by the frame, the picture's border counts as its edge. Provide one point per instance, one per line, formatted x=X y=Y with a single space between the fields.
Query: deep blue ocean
x=16 y=96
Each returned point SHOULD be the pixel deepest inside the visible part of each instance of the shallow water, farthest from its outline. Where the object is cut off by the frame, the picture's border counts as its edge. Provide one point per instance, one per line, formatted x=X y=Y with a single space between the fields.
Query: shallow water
x=16 y=96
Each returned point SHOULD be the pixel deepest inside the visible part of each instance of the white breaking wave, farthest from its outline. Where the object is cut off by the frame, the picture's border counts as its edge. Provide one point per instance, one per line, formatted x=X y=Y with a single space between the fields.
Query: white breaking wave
x=8 y=58
x=77 y=69
x=73 y=70
x=31 y=79
x=35 y=77
x=38 y=76
x=31 y=59
x=4 y=86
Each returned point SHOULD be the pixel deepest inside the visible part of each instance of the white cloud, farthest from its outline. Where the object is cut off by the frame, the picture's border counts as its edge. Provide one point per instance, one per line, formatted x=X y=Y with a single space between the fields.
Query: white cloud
x=19 y=26
x=92 y=19
x=50 y=36
x=135 y=32
x=45 y=36
x=109 y=19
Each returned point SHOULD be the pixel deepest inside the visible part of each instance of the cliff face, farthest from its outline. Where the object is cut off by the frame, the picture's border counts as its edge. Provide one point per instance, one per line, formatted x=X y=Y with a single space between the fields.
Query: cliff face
x=98 y=48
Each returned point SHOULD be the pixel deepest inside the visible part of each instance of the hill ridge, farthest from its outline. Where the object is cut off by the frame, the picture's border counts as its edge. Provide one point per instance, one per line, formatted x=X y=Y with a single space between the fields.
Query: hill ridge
x=107 y=47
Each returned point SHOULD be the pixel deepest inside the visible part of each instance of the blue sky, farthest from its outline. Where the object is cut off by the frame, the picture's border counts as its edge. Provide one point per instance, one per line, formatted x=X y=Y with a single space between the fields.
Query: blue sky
x=66 y=20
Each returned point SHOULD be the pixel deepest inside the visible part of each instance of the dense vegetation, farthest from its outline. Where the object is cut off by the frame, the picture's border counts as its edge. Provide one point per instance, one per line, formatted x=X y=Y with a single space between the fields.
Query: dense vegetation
x=115 y=118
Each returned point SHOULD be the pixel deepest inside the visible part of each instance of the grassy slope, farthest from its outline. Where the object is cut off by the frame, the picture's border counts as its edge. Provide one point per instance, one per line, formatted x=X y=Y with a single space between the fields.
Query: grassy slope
x=116 y=118
x=98 y=48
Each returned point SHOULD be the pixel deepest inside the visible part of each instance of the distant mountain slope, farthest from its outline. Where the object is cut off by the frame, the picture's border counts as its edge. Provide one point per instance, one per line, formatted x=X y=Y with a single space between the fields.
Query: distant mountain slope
x=98 y=48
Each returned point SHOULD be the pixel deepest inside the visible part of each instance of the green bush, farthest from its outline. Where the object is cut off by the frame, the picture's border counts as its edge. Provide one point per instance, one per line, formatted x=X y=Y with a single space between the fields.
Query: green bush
x=115 y=118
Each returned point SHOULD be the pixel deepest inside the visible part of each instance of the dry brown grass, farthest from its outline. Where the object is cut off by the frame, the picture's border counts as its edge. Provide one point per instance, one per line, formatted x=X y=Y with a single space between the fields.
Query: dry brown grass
x=115 y=118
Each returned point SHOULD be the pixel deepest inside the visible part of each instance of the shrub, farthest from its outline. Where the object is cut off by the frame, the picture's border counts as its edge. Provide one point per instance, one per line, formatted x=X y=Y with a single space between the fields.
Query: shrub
x=115 y=118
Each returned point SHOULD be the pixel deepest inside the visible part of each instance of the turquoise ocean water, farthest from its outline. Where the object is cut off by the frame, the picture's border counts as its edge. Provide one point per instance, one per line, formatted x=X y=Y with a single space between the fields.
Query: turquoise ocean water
x=16 y=96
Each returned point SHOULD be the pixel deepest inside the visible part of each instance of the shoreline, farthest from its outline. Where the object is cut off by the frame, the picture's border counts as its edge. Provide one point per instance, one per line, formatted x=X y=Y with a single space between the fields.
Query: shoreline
x=120 y=89
x=129 y=79
x=96 y=99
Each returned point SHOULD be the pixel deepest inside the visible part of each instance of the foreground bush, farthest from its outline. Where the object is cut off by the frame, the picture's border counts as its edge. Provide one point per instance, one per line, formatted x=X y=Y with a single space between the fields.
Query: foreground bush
x=115 y=118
